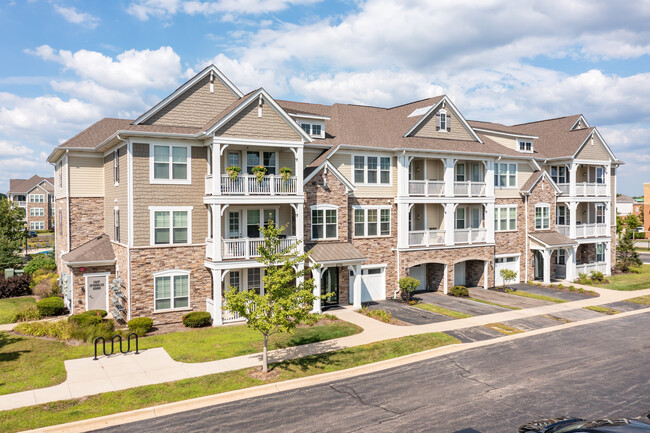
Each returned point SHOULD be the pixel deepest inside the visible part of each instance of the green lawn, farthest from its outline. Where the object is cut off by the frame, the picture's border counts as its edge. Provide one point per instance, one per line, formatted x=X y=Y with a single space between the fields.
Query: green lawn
x=645 y=300
x=146 y=396
x=504 y=329
x=638 y=279
x=443 y=311
x=10 y=306
x=535 y=296
x=30 y=363
x=602 y=309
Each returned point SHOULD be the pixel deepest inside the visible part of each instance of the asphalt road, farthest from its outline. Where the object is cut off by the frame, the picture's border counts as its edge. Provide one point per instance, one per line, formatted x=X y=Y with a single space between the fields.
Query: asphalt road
x=589 y=371
x=645 y=257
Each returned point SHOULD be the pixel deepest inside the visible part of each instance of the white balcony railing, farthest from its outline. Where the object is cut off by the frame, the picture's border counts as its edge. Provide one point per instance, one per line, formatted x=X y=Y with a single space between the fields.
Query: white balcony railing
x=470 y=236
x=247 y=184
x=564 y=229
x=208 y=184
x=565 y=188
x=228 y=316
x=426 y=238
x=585 y=230
x=584 y=189
x=209 y=248
x=246 y=248
x=469 y=189
x=587 y=268
x=427 y=188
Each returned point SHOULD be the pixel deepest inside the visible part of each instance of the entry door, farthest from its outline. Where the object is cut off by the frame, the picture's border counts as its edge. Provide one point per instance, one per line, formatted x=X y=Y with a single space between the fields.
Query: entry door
x=538 y=261
x=459 y=274
x=96 y=290
x=419 y=273
x=330 y=284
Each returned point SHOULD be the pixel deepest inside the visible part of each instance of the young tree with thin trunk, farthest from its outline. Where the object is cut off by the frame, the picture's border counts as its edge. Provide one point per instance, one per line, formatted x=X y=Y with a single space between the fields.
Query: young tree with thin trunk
x=12 y=233
x=288 y=290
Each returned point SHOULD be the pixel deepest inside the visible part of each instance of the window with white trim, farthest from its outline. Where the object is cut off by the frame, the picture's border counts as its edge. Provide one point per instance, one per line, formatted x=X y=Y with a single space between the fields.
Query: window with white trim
x=559 y=174
x=525 y=145
x=563 y=215
x=171 y=163
x=116 y=225
x=116 y=167
x=600 y=252
x=371 y=221
x=505 y=218
x=233 y=160
x=600 y=213
x=171 y=226
x=37 y=225
x=560 y=257
x=505 y=175
x=171 y=290
x=60 y=174
x=233 y=280
x=313 y=129
x=255 y=280
x=265 y=159
x=324 y=222
x=542 y=217
x=37 y=198
x=37 y=212
x=442 y=121
x=371 y=170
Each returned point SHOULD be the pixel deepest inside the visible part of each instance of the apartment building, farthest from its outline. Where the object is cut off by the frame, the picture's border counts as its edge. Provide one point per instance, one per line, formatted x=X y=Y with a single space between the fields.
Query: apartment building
x=374 y=194
x=36 y=197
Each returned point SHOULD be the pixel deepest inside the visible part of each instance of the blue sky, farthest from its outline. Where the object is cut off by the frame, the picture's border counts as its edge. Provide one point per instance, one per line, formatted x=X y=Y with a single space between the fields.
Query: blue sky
x=67 y=63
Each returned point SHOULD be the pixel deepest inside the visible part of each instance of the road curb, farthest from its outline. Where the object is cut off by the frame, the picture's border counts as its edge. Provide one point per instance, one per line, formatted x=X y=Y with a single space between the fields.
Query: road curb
x=272 y=388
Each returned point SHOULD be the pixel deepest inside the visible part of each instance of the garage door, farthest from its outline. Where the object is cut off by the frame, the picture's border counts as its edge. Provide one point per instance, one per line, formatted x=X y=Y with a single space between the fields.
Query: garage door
x=373 y=284
x=511 y=263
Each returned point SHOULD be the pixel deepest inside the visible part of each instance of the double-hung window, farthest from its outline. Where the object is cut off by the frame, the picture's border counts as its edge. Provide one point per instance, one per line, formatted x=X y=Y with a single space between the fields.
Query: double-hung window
x=37 y=225
x=37 y=212
x=563 y=215
x=116 y=225
x=313 y=129
x=324 y=222
x=37 y=198
x=171 y=164
x=371 y=222
x=171 y=290
x=542 y=217
x=116 y=167
x=559 y=174
x=525 y=146
x=505 y=218
x=505 y=175
x=600 y=252
x=371 y=170
x=266 y=159
x=560 y=257
x=171 y=226
x=255 y=279
x=600 y=214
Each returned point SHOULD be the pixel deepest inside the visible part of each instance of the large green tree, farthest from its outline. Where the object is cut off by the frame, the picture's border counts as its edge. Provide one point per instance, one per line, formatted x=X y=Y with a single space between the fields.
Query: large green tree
x=626 y=254
x=12 y=233
x=288 y=291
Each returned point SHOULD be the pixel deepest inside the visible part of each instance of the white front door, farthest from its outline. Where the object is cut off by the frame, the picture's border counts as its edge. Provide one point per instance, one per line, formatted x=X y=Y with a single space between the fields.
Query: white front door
x=459 y=274
x=510 y=263
x=96 y=291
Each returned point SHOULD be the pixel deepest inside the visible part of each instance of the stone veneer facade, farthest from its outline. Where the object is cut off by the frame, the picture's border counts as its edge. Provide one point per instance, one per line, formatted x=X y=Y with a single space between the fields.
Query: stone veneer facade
x=86 y=219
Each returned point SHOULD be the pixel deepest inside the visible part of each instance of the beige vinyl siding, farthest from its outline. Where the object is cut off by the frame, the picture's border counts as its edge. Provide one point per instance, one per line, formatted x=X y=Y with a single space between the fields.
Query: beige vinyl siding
x=309 y=155
x=63 y=173
x=428 y=128
x=343 y=162
x=524 y=171
x=593 y=151
x=287 y=159
x=196 y=106
x=435 y=169
x=509 y=142
x=146 y=194
x=116 y=196
x=86 y=176
x=247 y=124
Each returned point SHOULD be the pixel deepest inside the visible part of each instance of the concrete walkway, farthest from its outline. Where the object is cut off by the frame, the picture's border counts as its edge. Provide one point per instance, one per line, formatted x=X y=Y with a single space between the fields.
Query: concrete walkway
x=87 y=377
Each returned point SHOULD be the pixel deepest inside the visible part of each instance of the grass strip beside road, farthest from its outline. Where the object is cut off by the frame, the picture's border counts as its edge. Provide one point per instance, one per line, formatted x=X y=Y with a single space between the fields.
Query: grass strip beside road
x=535 y=296
x=504 y=329
x=645 y=300
x=10 y=306
x=146 y=396
x=443 y=311
x=602 y=309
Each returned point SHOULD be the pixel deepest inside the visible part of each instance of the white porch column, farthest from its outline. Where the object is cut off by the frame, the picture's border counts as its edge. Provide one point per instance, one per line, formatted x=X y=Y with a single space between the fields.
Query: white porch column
x=573 y=214
x=547 y=266
x=571 y=273
x=216 y=168
x=608 y=257
x=216 y=232
x=357 y=287
x=450 y=208
x=299 y=170
x=449 y=176
x=489 y=222
x=316 y=274
x=403 y=162
x=445 y=285
x=486 y=276
x=217 y=319
x=489 y=178
x=300 y=224
x=403 y=225
x=573 y=179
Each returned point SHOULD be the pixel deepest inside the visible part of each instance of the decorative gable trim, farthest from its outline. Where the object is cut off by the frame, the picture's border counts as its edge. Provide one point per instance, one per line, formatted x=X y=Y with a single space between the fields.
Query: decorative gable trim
x=581 y=118
x=447 y=104
x=261 y=94
x=328 y=166
x=602 y=140
x=198 y=77
x=546 y=176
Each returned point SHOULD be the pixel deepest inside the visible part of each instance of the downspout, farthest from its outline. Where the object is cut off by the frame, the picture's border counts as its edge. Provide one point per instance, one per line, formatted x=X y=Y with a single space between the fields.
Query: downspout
x=526 y=234
x=67 y=187
x=398 y=275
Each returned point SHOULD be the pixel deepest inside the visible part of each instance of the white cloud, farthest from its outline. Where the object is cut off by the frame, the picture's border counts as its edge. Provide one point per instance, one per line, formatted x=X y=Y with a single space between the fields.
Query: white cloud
x=8 y=148
x=82 y=18
x=144 y=9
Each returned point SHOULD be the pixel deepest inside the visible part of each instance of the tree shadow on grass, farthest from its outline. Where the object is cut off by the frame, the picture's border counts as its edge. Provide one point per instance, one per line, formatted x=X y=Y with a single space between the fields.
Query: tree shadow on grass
x=313 y=362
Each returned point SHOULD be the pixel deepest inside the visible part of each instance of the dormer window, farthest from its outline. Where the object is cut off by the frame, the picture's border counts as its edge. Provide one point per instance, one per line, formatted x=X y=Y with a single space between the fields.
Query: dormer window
x=313 y=129
x=525 y=145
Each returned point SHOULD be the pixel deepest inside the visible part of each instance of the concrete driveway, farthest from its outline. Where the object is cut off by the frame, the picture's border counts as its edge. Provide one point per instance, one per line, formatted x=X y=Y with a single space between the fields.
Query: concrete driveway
x=467 y=306
x=408 y=314
x=506 y=299
x=553 y=293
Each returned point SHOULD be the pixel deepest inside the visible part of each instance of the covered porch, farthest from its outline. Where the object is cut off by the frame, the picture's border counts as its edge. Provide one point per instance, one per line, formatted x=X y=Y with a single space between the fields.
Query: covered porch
x=549 y=245
x=247 y=276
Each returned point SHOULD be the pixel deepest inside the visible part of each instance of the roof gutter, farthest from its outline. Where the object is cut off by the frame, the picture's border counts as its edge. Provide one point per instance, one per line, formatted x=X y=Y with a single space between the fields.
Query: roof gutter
x=90 y=263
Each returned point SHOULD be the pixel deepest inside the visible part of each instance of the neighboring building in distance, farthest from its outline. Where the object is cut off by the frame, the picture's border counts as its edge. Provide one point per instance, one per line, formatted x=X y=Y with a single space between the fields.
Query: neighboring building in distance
x=375 y=194
x=646 y=208
x=36 y=196
x=638 y=206
x=624 y=205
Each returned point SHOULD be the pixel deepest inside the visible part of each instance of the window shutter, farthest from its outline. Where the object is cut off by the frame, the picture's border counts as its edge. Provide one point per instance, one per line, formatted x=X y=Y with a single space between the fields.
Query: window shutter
x=448 y=123
x=437 y=121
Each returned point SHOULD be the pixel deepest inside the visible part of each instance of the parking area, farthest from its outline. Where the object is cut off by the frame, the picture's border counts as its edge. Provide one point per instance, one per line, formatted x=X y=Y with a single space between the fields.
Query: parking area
x=466 y=306
x=406 y=313
x=501 y=298
x=554 y=293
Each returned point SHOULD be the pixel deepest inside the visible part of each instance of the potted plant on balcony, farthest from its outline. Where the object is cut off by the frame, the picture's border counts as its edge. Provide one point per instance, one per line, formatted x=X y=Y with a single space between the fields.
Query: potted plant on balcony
x=259 y=172
x=233 y=172
x=285 y=173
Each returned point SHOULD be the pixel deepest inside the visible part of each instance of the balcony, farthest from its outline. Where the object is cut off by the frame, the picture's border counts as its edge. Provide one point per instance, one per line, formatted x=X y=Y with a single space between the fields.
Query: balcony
x=427 y=188
x=470 y=236
x=469 y=189
x=247 y=248
x=248 y=184
x=586 y=189
x=585 y=230
x=426 y=238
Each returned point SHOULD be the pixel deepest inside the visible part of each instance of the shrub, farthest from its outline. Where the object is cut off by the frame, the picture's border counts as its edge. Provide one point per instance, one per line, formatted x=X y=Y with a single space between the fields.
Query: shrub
x=583 y=278
x=140 y=325
x=197 y=319
x=572 y=289
x=459 y=291
x=407 y=286
x=380 y=315
x=40 y=261
x=507 y=275
x=44 y=283
x=597 y=277
x=85 y=319
x=101 y=313
x=560 y=286
x=51 y=306
x=27 y=314
x=15 y=286
x=581 y=290
x=88 y=333
x=60 y=329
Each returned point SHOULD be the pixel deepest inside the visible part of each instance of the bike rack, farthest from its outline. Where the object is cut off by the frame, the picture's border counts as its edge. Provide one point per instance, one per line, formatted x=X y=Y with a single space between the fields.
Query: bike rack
x=119 y=337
